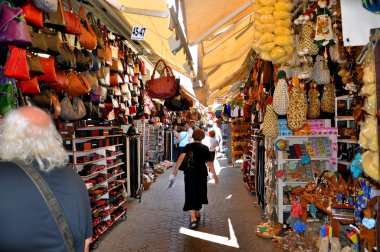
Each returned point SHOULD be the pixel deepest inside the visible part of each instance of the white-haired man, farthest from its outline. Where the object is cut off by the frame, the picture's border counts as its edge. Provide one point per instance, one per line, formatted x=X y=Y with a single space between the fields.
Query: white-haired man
x=28 y=137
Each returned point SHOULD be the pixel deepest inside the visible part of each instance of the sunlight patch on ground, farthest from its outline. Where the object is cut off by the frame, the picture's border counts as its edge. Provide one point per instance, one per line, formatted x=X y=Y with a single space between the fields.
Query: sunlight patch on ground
x=227 y=241
x=229 y=196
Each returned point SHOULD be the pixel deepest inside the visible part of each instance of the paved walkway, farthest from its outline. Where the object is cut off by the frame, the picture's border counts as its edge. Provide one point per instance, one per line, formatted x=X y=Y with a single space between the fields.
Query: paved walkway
x=155 y=223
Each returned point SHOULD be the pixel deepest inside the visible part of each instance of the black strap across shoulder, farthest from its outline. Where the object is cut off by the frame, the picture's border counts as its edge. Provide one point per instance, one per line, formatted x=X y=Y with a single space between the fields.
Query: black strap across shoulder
x=53 y=205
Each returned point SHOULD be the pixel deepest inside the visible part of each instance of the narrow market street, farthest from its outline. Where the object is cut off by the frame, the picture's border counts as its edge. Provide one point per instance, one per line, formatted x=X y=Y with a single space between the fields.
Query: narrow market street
x=159 y=224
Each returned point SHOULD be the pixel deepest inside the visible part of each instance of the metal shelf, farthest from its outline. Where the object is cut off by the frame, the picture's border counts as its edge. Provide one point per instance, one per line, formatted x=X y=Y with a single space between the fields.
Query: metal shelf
x=353 y=141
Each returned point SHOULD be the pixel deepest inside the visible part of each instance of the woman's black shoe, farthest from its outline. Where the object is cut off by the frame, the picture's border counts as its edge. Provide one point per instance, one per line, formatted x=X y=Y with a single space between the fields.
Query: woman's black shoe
x=193 y=224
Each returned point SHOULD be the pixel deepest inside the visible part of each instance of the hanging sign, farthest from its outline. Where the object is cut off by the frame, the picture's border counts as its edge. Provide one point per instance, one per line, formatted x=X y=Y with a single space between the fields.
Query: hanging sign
x=138 y=33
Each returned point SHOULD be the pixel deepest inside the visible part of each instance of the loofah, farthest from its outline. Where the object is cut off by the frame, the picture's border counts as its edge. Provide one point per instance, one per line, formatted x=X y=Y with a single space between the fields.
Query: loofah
x=283 y=40
x=266 y=38
x=267 y=2
x=266 y=19
x=277 y=53
x=284 y=23
x=282 y=15
x=268 y=10
x=282 y=31
x=283 y=6
x=268 y=46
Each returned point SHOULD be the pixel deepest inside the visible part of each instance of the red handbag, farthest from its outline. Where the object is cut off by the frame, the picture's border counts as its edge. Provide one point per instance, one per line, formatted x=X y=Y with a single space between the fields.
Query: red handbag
x=163 y=87
x=62 y=81
x=73 y=25
x=48 y=64
x=33 y=15
x=132 y=110
x=87 y=37
x=16 y=65
x=114 y=79
x=135 y=80
x=29 y=86
x=142 y=67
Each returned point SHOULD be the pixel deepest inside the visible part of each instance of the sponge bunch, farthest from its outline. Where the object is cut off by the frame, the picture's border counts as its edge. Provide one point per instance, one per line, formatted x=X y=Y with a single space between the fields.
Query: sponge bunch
x=273 y=38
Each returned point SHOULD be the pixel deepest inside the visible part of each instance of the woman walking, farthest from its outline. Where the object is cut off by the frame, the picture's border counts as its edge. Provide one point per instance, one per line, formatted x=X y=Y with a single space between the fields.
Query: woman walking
x=196 y=178
x=183 y=139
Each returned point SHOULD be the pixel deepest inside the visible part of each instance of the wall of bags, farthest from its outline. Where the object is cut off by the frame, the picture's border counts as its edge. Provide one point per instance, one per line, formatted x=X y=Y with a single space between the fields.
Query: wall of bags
x=67 y=62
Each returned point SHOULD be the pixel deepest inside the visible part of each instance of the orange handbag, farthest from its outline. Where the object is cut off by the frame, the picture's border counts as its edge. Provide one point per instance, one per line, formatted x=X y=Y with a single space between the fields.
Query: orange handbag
x=16 y=65
x=114 y=79
x=33 y=15
x=78 y=85
x=62 y=81
x=87 y=38
x=48 y=64
x=107 y=49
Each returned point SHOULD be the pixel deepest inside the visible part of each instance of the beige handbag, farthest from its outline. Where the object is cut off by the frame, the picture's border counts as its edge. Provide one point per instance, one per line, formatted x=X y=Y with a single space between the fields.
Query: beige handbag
x=328 y=98
x=270 y=126
x=72 y=111
x=297 y=112
x=314 y=107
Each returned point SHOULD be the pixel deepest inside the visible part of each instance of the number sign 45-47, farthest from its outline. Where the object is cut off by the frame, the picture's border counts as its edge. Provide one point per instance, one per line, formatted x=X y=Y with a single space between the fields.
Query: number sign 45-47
x=138 y=33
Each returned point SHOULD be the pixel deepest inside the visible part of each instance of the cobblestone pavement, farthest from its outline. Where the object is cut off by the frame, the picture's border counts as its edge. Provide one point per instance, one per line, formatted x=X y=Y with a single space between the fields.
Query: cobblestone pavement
x=154 y=224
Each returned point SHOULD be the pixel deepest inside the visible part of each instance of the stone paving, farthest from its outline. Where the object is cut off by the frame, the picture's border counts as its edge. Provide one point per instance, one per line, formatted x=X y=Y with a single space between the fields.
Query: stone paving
x=154 y=224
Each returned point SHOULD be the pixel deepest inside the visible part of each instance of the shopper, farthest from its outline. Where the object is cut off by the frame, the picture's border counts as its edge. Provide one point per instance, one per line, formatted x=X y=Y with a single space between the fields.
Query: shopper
x=212 y=144
x=183 y=139
x=190 y=132
x=193 y=125
x=29 y=138
x=218 y=135
x=196 y=179
x=176 y=139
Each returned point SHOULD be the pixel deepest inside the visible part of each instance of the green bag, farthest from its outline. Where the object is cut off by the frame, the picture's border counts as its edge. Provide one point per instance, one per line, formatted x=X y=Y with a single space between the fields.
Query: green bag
x=7 y=98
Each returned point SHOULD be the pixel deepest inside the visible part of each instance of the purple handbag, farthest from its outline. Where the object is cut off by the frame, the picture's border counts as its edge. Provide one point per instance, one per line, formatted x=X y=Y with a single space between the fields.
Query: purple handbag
x=98 y=95
x=13 y=28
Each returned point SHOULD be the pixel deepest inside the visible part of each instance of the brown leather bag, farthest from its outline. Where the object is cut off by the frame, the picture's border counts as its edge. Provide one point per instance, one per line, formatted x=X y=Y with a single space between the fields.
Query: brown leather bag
x=87 y=38
x=163 y=87
x=97 y=28
x=117 y=66
x=56 y=19
x=34 y=63
x=52 y=41
x=78 y=85
x=62 y=81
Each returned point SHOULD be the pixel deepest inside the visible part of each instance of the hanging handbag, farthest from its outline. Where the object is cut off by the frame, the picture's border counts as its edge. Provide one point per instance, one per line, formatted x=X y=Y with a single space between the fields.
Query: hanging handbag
x=72 y=110
x=82 y=61
x=97 y=28
x=142 y=67
x=280 y=95
x=52 y=41
x=48 y=6
x=99 y=95
x=29 y=86
x=62 y=81
x=72 y=20
x=48 y=65
x=44 y=98
x=66 y=60
x=16 y=65
x=92 y=79
x=104 y=78
x=178 y=102
x=55 y=19
x=116 y=91
x=38 y=42
x=270 y=125
x=107 y=50
x=328 y=98
x=11 y=20
x=115 y=50
x=33 y=15
x=78 y=85
x=34 y=64
x=314 y=107
x=113 y=79
x=92 y=59
x=321 y=72
x=87 y=38
x=163 y=87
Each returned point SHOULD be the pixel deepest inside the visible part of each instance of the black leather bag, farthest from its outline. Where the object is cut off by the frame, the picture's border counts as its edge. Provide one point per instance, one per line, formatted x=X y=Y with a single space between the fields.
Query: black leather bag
x=177 y=102
x=82 y=61
x=66 y=60
x=187 y=164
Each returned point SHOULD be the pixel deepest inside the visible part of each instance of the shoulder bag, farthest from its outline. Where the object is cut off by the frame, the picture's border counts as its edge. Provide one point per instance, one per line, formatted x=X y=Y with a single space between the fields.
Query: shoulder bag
x=34 y=63
x=87 y=38
x=96 y=27
x=16 y=65
x=7 y=93
x=53 y=204
x=163 y=87
x=78 y=85
x=33 y=15
x=55 y=19
x=48 y=65
x=72 y=111
x=72 y=20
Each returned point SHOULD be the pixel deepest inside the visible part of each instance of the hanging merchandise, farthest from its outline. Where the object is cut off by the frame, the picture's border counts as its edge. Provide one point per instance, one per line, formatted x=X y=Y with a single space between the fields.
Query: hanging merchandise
x=34 y=64
x=328 y=98
x=72 y=110
x=66 y=59
x=297 y=112
x=7 y=93
x=307 y=45
x=270 y=126
x=78 y=84
x=321 y=71
x=33 y=15
x=87 y=37
x=56 y=19
x=53 y=42
x=72 y=20
x=62 y=81
x=293 y=59
x=163 y=87
x=323 y=30
x=272 y=36
x=29 y=86
x=314 y=106
x=372 y=5
x=48 y=6
x=280 y=96
x=17 y=65
x=11 y=20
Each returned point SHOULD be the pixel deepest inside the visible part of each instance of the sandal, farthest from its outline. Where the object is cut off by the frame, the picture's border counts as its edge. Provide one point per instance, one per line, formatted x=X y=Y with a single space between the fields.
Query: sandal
x=193 y=224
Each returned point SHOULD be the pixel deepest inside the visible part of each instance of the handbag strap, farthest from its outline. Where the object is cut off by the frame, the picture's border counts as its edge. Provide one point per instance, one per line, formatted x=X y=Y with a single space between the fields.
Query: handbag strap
x=166 y=67
x=53 y=205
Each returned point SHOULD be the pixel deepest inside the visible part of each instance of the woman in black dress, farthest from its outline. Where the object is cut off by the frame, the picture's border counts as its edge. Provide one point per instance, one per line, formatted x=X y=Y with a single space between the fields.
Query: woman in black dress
x=196 y=179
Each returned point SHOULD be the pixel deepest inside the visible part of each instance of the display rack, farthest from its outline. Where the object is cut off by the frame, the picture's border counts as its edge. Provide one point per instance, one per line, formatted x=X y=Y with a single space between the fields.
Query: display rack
x=96 y=153
x=226 y=141
x=284 y=163
x=241 y=135
x=155 y=147
x=347 y=141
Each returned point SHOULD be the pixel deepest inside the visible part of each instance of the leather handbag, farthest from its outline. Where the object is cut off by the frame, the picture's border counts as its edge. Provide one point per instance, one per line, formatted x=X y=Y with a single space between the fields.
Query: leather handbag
x=116 y=91
x=55 y=19
x=7 y=98
x=163 y=87
x=72 y=110
x=11 y=20
x=107 y=51
x=33 y=15
x=97 y=28
x=179 y=102
x=66 y=60
x=62 y=81
x=52 y=41
x=117 y=66
x=82 y=61
x=29 y=86
x=44 y=98
x=104 y=79
x=48 y=6
x=113 y=79
x=34 y=63
x=38 y=42
x=92 y=79
x=78 y=85
x=16 y=65
x=142 y=67
x=48 y=65
x=87 y=38
x=92 y=59
x=99 y=95
x=72 y=20
x=56 y=106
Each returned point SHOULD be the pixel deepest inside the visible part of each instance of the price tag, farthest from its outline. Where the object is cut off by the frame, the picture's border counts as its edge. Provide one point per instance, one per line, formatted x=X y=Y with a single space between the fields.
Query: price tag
x=138 y=33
